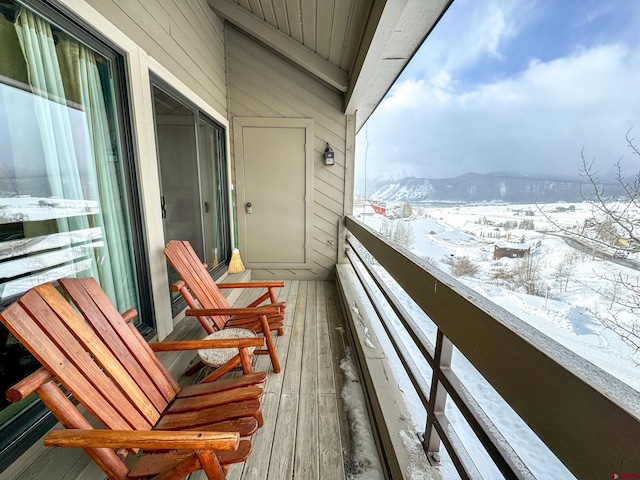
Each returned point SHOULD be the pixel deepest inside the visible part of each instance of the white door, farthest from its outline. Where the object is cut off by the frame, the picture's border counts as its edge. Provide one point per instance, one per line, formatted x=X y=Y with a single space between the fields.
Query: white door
x=274 y=172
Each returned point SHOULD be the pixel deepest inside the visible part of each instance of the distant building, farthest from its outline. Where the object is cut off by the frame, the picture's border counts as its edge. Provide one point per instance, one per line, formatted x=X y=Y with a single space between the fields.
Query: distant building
x=510 y=250
x=379 y=209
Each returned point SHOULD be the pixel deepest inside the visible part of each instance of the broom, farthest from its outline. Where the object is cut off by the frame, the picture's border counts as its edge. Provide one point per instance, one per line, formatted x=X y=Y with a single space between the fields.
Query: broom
x=235 y=265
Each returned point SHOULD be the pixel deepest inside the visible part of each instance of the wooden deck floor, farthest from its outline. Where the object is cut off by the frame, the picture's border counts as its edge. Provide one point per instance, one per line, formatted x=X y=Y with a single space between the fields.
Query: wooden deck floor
x=305 y=433
x=302 y=435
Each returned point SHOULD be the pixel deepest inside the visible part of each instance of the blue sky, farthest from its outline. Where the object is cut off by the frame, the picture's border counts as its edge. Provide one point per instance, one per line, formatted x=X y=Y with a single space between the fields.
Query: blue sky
x=513 y=86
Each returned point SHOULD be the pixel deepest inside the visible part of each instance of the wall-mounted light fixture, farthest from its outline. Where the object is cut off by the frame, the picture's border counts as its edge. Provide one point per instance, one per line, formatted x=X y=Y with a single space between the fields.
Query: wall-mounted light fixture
x=329 y=158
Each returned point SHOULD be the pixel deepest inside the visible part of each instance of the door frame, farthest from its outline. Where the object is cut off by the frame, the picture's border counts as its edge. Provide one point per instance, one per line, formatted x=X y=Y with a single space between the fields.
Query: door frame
x=238 y=140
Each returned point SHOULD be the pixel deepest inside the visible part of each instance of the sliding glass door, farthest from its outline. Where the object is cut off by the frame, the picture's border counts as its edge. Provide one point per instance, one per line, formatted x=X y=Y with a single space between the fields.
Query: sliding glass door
x=192 y=164
x=213 y=193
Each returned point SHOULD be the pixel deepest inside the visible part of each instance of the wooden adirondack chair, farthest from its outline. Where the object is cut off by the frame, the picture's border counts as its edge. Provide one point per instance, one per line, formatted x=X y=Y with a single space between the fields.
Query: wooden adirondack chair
x=114 y=374
x=212 y=309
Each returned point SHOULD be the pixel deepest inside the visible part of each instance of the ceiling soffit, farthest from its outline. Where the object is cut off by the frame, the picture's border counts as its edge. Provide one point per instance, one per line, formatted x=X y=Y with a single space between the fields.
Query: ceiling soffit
x=357 y=46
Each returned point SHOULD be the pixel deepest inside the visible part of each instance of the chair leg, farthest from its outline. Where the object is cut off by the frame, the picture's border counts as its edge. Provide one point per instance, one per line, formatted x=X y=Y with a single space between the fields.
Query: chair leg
x=245 y=359
x=259 y=418
x=210 y=465
x=270 y=345
x=195 y=368
x=280 y=331
x=222 y=370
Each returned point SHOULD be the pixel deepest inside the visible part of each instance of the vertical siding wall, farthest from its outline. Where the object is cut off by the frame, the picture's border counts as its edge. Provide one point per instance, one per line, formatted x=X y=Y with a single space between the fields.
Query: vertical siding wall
x=186 y=37
x=262 y=84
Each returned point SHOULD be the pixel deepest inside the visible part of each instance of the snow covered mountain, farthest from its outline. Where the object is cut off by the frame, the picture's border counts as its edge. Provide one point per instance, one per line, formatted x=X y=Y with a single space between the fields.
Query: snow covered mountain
x=473 y=187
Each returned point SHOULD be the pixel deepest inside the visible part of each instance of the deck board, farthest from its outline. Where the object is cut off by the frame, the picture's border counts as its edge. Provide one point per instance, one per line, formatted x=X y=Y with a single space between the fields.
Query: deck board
x=305 y=433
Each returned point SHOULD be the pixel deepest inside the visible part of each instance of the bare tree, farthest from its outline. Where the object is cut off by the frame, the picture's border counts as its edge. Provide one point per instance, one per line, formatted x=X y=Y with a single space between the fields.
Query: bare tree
x=621 y=295
x=612 y=229
x=527 y=274
x=565 y=269
x=404 y=234
x=399 y=231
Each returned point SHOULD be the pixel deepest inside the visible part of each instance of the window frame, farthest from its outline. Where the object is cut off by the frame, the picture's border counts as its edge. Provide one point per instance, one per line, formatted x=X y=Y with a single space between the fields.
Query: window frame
x=178 y=304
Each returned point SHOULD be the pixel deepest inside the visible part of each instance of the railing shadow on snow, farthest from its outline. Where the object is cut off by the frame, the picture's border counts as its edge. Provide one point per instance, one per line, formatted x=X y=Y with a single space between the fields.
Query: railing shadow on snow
x=587 y=418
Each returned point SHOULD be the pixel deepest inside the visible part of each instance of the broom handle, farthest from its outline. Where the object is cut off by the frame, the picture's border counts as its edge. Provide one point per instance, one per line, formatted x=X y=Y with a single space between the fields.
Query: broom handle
x=235 y=217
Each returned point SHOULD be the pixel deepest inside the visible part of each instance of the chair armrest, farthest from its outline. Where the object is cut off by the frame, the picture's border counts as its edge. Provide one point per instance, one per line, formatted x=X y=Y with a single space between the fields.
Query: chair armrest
x=177 y=286
x=251 y=285
x=146 y=440
x=278 y=305
x=254 y=311
x=129 y=315
x=28 y=385
x=207 y=344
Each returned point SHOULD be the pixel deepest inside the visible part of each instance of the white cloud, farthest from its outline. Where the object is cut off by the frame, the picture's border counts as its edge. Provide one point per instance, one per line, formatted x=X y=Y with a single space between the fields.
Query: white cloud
x=599 y=11
x=536 y=122
x=481 y=32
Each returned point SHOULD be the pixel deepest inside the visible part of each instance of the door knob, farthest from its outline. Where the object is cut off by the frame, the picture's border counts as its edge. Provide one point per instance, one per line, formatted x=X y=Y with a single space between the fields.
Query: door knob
x=247 y=207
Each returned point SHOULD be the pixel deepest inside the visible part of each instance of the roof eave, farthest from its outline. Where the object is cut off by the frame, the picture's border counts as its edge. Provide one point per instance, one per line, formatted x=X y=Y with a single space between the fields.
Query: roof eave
x=395 y=31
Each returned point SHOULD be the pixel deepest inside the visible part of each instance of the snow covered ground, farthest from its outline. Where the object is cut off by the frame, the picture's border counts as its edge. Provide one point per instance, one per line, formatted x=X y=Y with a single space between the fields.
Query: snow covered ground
x=564 y=312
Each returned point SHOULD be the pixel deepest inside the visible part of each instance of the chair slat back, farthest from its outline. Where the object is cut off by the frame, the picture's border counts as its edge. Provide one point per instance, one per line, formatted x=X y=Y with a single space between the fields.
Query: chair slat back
x=48 y=326
x=125 y=342
x=203 y=288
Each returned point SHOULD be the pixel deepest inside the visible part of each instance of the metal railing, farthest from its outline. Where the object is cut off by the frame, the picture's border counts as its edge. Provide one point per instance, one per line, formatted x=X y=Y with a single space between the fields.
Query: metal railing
x=587 y=418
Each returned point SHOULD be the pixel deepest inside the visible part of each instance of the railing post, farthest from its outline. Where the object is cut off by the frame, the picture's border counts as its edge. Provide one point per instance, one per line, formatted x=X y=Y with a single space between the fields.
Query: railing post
x=437 y=397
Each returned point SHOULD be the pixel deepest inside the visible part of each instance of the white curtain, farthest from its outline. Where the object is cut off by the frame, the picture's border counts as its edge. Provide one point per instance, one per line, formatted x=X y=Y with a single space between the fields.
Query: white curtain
x=38 y=47
x=82 y=75
x=81 y=161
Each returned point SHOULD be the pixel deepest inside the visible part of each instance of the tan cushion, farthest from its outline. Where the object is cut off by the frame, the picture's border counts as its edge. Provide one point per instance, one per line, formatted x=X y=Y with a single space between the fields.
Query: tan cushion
x=215 y=357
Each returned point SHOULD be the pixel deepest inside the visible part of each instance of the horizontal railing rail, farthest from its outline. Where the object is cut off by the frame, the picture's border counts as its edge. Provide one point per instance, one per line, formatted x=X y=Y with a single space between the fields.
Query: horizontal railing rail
x=589 y=419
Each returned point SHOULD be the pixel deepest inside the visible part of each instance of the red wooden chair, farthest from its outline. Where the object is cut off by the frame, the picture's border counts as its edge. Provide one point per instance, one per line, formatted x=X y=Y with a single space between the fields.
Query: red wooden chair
x=109 y=369
x=211 y=307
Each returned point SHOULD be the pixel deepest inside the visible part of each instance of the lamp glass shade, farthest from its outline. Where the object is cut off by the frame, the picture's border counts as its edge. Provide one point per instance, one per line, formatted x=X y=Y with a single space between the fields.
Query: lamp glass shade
x=329 y=158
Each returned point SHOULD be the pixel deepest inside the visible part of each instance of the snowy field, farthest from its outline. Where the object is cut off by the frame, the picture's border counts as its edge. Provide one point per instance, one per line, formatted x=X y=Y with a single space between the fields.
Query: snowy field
x=562 y=308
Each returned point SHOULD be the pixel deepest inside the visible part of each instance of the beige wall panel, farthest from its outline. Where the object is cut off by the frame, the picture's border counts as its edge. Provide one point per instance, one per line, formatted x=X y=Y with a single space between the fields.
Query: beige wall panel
x=255 y=78
x=317 y=88
x=185 y=37
x=252 y=99
x=326 y=259
x=334 y=184
x=333 y=204
x=262 y=84
x=325 y=227
x=327 y=176
x=326 y=215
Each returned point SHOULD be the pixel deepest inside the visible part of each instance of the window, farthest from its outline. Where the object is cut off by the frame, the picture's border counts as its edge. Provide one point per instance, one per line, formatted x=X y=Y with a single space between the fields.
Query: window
x=193 y=182
x=64 y=180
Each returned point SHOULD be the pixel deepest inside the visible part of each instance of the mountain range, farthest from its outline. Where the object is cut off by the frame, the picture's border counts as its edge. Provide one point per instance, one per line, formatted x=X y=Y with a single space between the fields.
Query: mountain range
x=474 y=187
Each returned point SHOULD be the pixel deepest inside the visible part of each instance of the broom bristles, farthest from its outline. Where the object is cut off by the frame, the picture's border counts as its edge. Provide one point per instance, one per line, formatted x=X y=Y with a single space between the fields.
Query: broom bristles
x=235 y=265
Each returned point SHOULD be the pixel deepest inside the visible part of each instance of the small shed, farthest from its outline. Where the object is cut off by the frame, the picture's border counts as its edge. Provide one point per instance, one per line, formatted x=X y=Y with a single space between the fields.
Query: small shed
x=510 y=250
